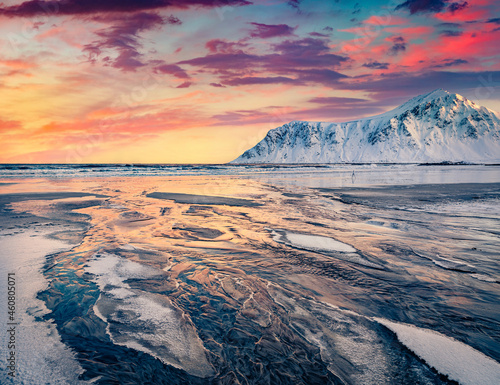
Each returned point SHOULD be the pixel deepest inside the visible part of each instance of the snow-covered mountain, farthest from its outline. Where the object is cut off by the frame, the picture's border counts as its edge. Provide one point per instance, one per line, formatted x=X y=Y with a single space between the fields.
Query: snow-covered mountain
x=435 y=127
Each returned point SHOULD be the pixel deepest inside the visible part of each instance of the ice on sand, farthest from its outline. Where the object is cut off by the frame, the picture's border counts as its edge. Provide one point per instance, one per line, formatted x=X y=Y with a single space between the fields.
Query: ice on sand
x=311 y=242
x=145 y=321
x=458 y=361
x=319 y=242
x=323 y=245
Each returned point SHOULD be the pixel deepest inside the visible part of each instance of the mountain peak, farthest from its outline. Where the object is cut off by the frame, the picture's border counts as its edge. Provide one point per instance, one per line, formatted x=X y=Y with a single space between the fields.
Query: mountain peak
x=433 y=127
x=438 y=93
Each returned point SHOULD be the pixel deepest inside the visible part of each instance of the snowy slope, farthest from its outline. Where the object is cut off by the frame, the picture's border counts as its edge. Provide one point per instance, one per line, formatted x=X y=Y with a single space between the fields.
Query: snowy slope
x=435 y=127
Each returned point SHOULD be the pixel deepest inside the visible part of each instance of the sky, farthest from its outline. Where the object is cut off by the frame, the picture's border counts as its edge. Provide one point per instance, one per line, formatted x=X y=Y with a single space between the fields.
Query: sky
x=201 y=81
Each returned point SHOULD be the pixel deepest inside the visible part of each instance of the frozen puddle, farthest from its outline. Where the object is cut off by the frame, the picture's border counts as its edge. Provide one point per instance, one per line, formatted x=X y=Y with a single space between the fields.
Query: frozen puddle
x=41 y=356
x=311 y=242
x=458 y=361
x=319 y=243
x=145 y=321
x=323 y=245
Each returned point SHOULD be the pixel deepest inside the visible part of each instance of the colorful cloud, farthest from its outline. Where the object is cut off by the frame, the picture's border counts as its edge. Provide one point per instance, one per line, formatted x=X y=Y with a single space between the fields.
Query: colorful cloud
x=202 y=80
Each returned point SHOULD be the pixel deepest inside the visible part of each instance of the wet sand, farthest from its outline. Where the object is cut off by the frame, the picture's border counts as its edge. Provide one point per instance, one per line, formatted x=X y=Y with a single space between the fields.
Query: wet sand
x=184 y=280
x=203 y=199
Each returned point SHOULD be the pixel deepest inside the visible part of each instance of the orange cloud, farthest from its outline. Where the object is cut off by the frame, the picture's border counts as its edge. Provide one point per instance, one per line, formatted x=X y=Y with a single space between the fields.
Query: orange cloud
x=9 y=126
x=18 y=64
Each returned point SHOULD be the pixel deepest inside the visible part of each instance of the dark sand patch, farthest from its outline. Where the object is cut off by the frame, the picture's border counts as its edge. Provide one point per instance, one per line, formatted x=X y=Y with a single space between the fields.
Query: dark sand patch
x=203 y=199
x=134 y=216
x=61 y=215
x=199 y=232
x=415 y=195
x=165 y=211
x=294 y=195
x=200 y=211
x=132 y=219
x=18 y=197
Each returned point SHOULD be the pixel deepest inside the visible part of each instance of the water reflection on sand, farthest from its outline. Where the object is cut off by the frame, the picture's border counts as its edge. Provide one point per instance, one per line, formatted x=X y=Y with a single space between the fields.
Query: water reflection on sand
x=246 y=308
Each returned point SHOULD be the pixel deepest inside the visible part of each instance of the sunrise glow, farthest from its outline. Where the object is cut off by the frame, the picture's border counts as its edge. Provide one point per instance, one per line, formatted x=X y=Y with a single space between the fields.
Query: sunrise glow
x=201 y=81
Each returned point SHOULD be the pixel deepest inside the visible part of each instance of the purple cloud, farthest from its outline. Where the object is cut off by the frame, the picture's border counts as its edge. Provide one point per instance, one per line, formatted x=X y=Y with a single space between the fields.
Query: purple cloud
x=172 y=69
x=376 y=65
x=450 y=33
x=329 y=109
x=128 y=60
x=455 y=7
x=450 y=25
x=85 y=7
x=304 y=53
x=219 y=45
x=293 y=61
x=258 y=80
x=290 y=54
x=307 y=46
x=451 y=63
x=399 y=86
x=416 y=6
x=223 y=62
x=317 y=34
x=336 y=100
x=322 y=76
x=123 y=37
x=266 y=31
x=398 y=46
x=294 y=3
x=184 y=85
x=431 y=6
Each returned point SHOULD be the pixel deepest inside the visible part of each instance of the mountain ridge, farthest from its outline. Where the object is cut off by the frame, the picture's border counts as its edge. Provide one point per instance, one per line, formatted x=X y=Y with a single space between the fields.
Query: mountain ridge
x=435 y=127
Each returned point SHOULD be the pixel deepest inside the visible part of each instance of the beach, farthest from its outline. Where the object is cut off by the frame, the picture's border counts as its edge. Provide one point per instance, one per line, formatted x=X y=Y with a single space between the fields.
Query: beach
x=212 y=274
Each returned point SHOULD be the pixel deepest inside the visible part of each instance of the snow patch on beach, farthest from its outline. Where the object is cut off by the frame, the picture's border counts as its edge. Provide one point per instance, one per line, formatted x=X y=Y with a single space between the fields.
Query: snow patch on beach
x=318 y=242
x=311 y=242
x=323 y=245
x=145 y=321
x=458 y=361
x=41 y=355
